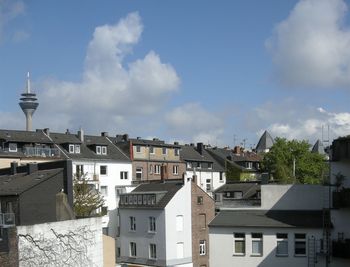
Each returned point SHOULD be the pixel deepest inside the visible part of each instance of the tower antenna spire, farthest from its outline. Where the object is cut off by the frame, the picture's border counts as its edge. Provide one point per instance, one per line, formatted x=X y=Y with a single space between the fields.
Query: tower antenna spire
x=28 y=83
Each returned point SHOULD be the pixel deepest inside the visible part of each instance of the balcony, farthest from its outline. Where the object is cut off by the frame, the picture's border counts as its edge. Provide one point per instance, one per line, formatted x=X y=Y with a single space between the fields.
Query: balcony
x=341 y=199
x=41 y=152
x=341 y=248
x=7 y=219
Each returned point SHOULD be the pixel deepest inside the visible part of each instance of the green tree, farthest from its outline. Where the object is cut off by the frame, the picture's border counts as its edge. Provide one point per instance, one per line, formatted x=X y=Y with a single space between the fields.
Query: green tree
x=310 y=168
x=86 y=198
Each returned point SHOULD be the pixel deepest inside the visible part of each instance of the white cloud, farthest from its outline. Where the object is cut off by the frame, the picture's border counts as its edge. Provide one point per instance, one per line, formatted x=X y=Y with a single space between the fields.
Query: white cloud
x=301 y=122
x=191 y=122
x=311 y=47
x=112 y=92
x=9 y=10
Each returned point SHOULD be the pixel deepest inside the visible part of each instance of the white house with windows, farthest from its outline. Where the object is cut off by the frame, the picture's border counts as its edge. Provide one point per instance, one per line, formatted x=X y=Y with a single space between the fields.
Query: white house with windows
x=155 y=225
x=287 y=229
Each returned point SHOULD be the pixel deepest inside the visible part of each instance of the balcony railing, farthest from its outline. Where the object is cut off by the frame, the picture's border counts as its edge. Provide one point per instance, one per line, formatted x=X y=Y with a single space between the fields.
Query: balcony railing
x=7 y=219
x=41 y=152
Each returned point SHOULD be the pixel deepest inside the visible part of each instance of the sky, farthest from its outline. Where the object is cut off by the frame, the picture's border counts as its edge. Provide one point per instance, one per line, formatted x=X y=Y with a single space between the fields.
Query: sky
x=217 y=72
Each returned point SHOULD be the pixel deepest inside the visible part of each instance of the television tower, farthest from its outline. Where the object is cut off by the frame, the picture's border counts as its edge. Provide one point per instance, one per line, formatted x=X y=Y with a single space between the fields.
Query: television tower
x=28 y=104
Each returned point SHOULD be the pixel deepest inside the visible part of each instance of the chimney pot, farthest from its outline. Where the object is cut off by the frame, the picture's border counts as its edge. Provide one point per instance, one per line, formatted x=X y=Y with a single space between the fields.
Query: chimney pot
x=81 y=135
x=14 y=166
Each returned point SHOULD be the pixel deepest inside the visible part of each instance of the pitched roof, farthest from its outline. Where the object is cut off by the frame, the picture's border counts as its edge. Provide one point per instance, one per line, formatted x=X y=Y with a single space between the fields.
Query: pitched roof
x=24 y=136
x=18 y=183
x=165 y=191
x=265 y=142
x=269 y=219
x=249 y=189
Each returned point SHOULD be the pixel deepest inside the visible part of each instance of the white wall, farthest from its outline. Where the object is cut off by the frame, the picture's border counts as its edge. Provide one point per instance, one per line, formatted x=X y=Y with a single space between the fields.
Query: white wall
x=202 y=177
x=221 y=247
x=141 y=236
x=180 y=204
x=65 y=243
x=293 y=197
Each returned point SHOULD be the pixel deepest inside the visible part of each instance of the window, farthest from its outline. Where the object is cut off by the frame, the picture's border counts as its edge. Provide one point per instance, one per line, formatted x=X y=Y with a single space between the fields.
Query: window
x=151 y=150
x=177 y=152
x=208 y=184
x=237 y=194
x=202 y=249
x=199 y=200
x=104 y=150
x=175 y=169
x=133 y=249
x=132 y=223
x=138 y=173
x=202 y=221
x=104 y=210
x=118 y=252
x=180 y=250
x=239 y=244
x=123 y=175
x=210 y=165
x=138 y=149
x=98 y=150
x=282 y=245
x=300 y=244
x=179 y=223
x=152 y=224
x=199 y=165
x=71 y=148
x=103 y=170
x=12 y=147
x=79 y=170
x=249 y=165
x=189 y=165
x=221 y=179
x=164 y=150
x=77 y=149
x=257 y=244
x=104 y=190
x=157 y=169
x=152 y=251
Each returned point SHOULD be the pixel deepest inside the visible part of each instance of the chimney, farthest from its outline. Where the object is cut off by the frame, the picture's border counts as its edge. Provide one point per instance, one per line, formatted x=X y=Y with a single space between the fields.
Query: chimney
x=138 y=138
x=14 y=166
x=163 y=173
x=200 y=148
x=194 y=179
x=46 y=131
x=176 y=143
x=125 y=137
x=191 y=144
x=81 y=135
x=31 y=168
x=236 y=150
x=104 y=134
x=67 y=131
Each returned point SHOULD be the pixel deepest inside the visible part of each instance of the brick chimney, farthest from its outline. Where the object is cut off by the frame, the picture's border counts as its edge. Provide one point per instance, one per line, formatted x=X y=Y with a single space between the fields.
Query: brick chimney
x=14 y=166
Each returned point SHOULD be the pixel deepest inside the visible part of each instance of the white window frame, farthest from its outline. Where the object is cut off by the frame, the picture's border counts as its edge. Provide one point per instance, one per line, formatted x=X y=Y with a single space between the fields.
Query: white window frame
x=138 y=171
x=77 y=149
x=152 y=224
x=257 y=238
x=103 y=150
x=210 y=165
x=282 y=238
x=208 y=185
x=13 y=150
x=98 y=150
x=179 y=223
x=133 y=250
x=249 y=165
x=202 y=248
x=124 y=175
x=189 y=165
x=71 y=148
x=300 y=240
x=132 y=223
x=176 y=169
x=152 y=251
x=238 y=238
x=180 y=250
x=157 y=168
x=104 y=192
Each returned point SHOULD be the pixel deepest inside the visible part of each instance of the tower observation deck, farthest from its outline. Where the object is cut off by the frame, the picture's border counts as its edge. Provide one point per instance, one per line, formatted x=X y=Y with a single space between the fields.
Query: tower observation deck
x=28 y=104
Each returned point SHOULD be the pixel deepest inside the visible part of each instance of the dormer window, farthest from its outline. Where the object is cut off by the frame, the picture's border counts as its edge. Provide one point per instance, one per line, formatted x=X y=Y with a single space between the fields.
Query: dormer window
x=71 y=148
x=98 y=150
x=74 y=149
x=12 y=147
x=104 y=150
x=77 y=149
x=101 y=150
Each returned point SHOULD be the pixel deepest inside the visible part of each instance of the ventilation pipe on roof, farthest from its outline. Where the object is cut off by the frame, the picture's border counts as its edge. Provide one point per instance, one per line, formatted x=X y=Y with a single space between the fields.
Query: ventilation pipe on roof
x=81 y=135
x=14 y=166
x=32 y=167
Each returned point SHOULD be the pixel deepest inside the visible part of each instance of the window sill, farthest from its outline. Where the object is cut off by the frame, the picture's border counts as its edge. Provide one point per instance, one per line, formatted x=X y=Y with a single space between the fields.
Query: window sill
x=282 y=255
x=151 y=232
x=239 y=254
x=300 y=256
x=256 y=255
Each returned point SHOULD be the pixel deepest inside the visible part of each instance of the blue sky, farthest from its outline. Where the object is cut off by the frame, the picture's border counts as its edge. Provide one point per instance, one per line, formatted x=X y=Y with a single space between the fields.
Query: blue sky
x=210 y=71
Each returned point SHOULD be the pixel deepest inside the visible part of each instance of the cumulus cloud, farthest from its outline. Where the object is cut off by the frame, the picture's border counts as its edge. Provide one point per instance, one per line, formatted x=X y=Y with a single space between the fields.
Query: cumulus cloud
x=311 y=47
x=9 y=10
x=301 y=122
x=111 y=92
x=193 y=123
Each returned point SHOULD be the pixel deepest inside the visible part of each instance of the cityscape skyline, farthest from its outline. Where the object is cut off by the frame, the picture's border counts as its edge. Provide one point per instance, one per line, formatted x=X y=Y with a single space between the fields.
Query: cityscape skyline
x=189 y=72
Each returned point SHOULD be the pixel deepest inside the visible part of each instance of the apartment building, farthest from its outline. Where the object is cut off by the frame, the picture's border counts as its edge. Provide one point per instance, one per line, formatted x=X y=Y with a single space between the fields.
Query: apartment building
x=209 y=173
x=158 y=226
x=150 y=157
